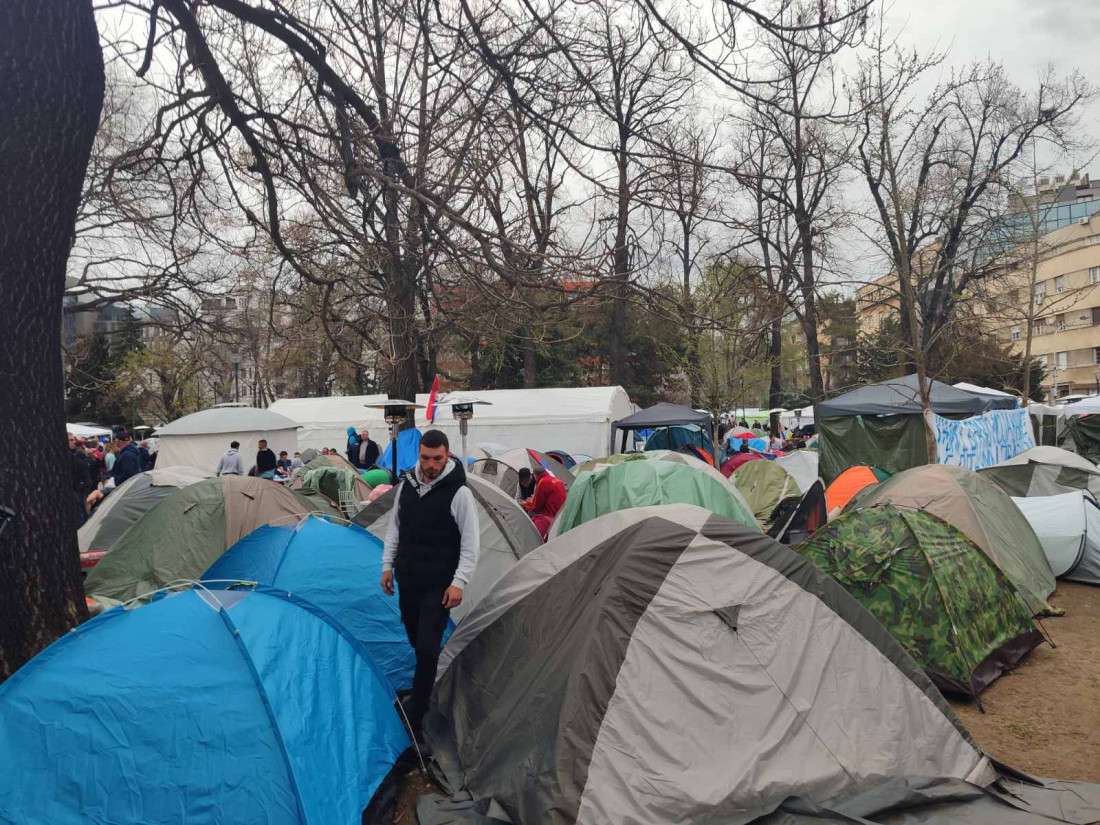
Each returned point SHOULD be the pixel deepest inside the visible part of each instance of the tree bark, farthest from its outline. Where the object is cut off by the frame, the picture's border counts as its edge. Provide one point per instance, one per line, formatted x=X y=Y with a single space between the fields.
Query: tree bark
x=809 y=328
x=775 y=354
x=51 y=99
x=530 y=361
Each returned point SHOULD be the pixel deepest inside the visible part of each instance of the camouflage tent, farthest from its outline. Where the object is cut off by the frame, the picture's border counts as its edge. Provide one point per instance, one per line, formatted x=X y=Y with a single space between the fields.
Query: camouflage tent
x=933 y=589
x=764 y=484
x=982 y=512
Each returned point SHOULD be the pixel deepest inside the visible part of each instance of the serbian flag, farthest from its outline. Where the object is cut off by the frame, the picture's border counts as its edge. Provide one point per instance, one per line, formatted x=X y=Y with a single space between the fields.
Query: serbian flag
x=431 y=401
x=544 y=464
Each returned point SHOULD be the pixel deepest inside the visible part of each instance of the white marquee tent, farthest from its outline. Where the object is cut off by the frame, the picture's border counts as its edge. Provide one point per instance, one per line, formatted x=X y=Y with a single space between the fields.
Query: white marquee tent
x=324 y=421
x=85 y=431
x=574 y=419
x=200 y=439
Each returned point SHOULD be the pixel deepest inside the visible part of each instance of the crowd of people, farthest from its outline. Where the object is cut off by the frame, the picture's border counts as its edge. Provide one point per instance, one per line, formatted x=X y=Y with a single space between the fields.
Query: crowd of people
x=101 y=465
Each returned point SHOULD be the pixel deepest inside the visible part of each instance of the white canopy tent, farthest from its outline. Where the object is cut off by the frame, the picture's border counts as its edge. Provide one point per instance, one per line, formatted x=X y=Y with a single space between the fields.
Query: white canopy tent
x=84 y=431
x=325 y=421
x=200 y=439
x=1086 y=406
x=573 y=419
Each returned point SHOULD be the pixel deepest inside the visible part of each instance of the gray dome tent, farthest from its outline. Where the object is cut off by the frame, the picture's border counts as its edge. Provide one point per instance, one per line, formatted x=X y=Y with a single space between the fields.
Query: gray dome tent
x=507 y=534
x=667 y=665
x=1044 y=471
x=496 y=472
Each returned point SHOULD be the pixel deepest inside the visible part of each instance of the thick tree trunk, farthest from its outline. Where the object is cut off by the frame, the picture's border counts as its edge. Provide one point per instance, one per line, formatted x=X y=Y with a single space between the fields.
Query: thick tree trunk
x=50 y=99
x=530 y=362
x=403 y=380
x=813 y=347
x=775 y=355
x=477 y=382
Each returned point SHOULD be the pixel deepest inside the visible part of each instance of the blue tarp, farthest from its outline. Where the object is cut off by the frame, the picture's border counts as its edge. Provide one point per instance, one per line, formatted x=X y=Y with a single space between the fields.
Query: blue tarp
x=408 y=451
x=337 y=568
x=246 y=706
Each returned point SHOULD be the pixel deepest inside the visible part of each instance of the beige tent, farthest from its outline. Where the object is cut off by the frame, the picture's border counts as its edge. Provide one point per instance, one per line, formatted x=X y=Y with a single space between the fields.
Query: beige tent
x=187 y=532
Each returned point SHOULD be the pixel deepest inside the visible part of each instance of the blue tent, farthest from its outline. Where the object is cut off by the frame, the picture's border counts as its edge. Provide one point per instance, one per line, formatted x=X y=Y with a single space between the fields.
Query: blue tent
x=677 y=436
x=205 y=707
x=408 y=451
x=336 y=568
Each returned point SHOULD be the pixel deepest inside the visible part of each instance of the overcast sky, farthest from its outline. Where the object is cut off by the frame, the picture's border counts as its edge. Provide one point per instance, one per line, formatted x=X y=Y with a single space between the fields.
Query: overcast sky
x=1025 y=35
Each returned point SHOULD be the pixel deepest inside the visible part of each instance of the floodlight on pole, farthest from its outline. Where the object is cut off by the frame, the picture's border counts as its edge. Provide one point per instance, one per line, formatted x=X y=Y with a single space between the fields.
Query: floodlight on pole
x=395 y=411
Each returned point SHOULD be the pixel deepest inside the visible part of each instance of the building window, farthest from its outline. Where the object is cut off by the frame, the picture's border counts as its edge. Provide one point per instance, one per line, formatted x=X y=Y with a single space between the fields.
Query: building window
x=1094 y=274
x=1042 y=359
x=1015 y=334
x=1060 y=283
x=1040 y=327
x=1061 y=359
x=1040 y=290
x=1060 y=322
x=1092 y=240
x=1096 y=356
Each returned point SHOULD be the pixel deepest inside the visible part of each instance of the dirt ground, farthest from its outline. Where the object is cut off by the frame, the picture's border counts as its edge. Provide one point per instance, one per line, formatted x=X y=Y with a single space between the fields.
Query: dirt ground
x=1044 y=717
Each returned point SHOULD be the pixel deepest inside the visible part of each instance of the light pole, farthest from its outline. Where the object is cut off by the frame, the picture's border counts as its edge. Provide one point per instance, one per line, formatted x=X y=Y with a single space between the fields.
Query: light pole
x=236 y=358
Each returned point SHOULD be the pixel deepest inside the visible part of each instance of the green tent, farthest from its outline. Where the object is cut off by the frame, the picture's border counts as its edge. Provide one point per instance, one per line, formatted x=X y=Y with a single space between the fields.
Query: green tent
x=668 y=455
x=982 y=511
x=938 y=594
x=376 y=476
x=643 y=483
x=332 y=481
x=892 y=442
x=187 y=532
x=618 y=458
x=1084 y=430
x=764 y=484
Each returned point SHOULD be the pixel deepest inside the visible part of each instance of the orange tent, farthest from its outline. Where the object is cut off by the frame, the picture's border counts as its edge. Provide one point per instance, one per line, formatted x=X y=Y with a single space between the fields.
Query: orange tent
x=850 y=482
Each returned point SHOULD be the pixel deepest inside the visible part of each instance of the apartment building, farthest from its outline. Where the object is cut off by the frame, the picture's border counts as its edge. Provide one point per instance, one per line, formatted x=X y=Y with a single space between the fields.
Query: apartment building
x=876 y=303
x=1066 y=320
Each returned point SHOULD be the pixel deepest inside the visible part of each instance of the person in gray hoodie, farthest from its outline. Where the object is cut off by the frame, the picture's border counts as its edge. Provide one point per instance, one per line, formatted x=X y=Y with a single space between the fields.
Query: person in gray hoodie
x=231 y=463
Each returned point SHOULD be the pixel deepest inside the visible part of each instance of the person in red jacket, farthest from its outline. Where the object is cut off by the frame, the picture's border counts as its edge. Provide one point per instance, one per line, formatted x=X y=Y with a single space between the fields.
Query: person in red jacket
x=549 y=497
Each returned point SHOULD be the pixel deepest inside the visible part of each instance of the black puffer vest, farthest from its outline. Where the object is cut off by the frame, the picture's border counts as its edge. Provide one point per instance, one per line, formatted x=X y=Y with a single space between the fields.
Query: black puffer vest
x=428 y=540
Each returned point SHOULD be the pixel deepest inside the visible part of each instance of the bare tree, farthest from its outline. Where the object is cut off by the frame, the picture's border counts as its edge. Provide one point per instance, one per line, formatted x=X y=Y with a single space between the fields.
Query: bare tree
x=686 y=190
x=936 y=172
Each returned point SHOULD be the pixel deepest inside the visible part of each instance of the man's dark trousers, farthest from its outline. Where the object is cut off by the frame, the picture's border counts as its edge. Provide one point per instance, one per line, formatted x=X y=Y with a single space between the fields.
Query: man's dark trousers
x=425 y=619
